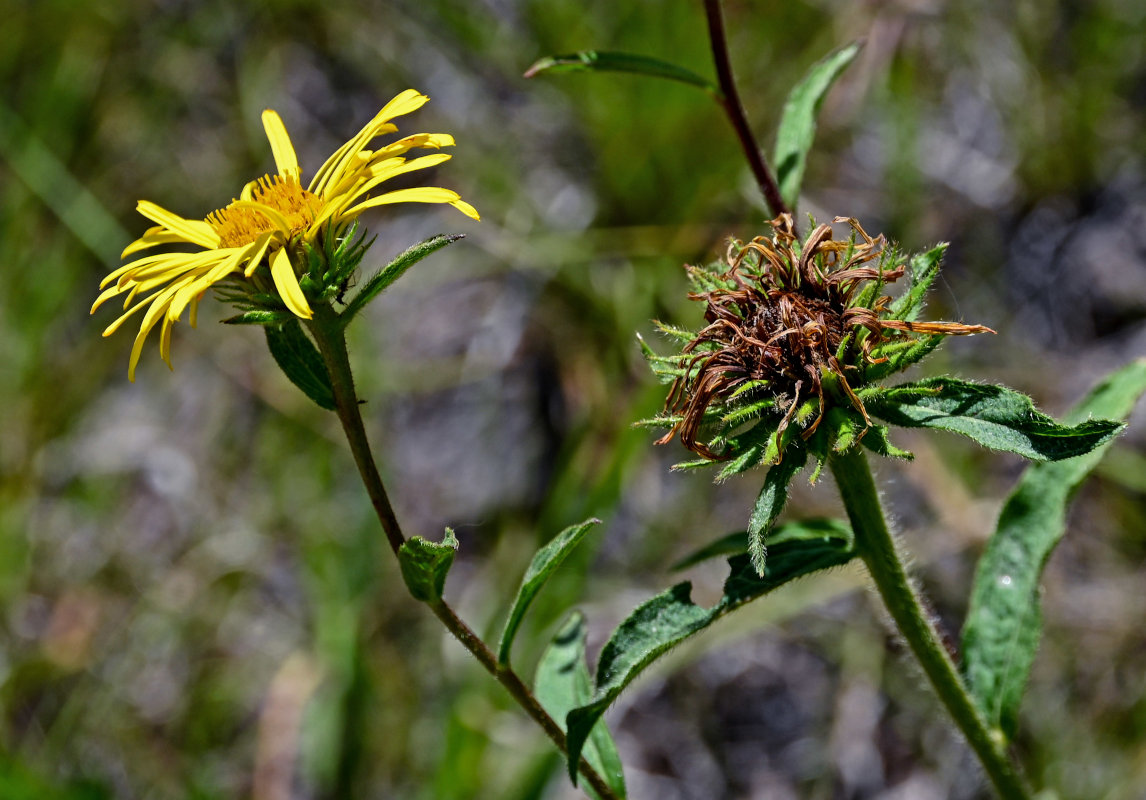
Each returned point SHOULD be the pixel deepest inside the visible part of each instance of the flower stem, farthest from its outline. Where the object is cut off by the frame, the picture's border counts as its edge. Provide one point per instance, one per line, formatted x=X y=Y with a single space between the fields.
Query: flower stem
x=331 y=340
x=877 y=549
x=331 y=343
x=729 y=100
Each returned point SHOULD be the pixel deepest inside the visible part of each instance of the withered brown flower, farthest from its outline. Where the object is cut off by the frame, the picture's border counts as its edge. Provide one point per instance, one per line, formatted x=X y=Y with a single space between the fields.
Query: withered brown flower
x=788 y=318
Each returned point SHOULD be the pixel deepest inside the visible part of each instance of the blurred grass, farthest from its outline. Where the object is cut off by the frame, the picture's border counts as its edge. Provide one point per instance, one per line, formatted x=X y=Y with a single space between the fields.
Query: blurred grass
x=196 y=601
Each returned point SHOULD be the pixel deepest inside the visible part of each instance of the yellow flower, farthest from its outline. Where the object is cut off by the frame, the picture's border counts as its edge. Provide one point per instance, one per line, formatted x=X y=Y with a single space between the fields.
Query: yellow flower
x=273 y=216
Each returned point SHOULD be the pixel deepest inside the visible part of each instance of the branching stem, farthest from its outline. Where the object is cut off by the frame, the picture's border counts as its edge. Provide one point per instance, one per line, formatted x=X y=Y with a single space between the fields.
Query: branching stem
x=328 y=334
x=877 y=549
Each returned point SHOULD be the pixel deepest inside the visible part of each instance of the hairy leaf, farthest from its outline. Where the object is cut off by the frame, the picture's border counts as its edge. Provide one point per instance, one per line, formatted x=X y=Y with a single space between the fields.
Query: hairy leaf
x=605 y=61
x=1004 y=621
x=797 y=127
x=562 y=683
x=657 y=625
x=995 y=417
x=424 y=565
x=544 y=562
x=299 y=359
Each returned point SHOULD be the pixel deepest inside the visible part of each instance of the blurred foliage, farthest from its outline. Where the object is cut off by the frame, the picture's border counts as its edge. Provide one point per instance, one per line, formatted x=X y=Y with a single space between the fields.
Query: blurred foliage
x=196 y=600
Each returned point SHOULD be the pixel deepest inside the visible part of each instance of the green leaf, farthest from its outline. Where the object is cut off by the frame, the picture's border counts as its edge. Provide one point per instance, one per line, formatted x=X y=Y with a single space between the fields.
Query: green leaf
x=924 y=267
x=562 y=683
x=995 y=417
x=598 y=61
x=424 y=565
x=299 y=359
x=393 y=271
x=544 y=562
x=770 y=502
x=664 y=621
x=797 y=127
x=1004 y=621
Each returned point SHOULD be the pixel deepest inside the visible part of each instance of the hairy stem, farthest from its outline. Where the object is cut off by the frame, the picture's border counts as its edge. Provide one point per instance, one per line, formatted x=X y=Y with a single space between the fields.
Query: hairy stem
x=877 y=549
x=729 y=100
x=328 y=335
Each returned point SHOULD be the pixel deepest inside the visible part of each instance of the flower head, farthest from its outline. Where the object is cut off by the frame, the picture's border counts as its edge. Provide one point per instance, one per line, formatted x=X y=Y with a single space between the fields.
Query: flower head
x=793 y=330
x=258 y=243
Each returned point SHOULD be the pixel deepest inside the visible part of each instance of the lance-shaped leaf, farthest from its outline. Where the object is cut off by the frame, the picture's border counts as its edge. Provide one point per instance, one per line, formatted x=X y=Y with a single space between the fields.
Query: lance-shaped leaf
x=424 y=565
x=995 y=417
x=605 y=61
x=544 y=562
x=797 y=127
x=1004 y=621
x=299 y=359
x=562 y=683
x=382 y=279
x=667 y=619
x=769 y=503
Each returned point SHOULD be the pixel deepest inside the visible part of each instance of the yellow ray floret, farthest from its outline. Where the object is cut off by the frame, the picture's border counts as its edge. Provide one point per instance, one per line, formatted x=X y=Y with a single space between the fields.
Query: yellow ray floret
x=255 y=238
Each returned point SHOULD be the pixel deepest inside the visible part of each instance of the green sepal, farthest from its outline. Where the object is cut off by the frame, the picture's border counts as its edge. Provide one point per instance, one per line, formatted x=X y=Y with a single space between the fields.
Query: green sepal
x=544 y=562
x=260 y=318
x=382 y=279
x=424 y=565
x=737 y=543
x=923 y=267
x=877 y=440
x=664 y=621
x=797 y=127
x=607 y=61
x=889 y=259
x=562 y=683
x=995 y=417
x=770 y=502
x=300 y=361
x=1004 y=621
x=682 y=335
x=901 y=353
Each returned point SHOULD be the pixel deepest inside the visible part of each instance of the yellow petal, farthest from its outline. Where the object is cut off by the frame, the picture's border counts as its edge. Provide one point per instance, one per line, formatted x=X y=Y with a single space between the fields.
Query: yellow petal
x=194 y=313
x=153 y=315
x=283 y=150
x=255 y=253
x=332 y=172
x=272 y=214
x=285 y=281
x=195 y=231
x=419 y=194
x=467 y=209
x=391 y=168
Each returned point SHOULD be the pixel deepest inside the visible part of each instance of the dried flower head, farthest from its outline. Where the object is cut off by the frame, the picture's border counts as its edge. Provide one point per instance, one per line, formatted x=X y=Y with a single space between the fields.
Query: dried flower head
x=793 y=330
x=258 y=247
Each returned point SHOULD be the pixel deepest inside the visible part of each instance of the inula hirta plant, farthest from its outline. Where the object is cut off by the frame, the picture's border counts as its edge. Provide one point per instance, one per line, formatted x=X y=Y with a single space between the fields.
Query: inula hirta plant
x=789 y=365
x=260 y=247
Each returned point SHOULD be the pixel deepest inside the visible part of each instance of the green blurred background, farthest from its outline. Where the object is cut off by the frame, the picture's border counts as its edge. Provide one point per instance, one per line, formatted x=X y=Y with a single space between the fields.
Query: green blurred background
x=195 y=601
